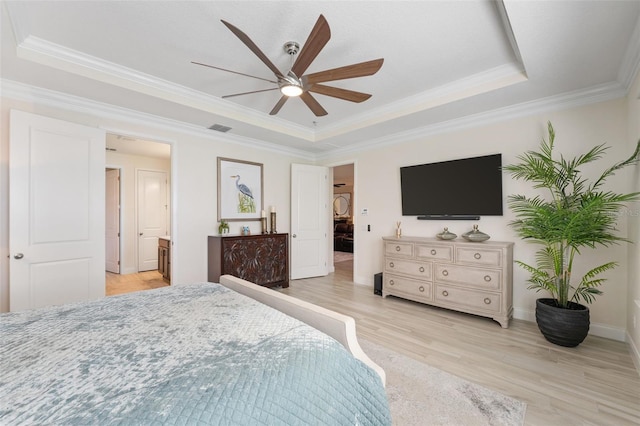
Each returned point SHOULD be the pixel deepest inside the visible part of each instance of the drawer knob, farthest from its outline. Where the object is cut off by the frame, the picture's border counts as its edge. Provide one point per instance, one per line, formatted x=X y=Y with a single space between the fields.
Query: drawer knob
x=445 y=293
x=391 y=282
x=487 y=301
x=391 y=265
x=421 y=269
x=433 y=252
x=397 y=248
x=477 y=255
x=445 y=272
x=421 y=288
x=487 y=278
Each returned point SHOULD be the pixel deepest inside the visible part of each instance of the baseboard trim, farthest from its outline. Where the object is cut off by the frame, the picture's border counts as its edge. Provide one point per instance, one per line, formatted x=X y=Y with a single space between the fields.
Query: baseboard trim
x=595 y=329
x=367 y=281
x=635 y=353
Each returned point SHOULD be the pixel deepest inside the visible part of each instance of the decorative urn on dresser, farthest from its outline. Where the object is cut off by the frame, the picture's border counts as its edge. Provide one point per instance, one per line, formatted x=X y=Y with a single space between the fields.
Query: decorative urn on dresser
x=469 y=277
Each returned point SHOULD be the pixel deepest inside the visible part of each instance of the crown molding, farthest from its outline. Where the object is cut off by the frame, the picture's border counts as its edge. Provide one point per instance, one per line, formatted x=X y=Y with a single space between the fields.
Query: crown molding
x=26 y=93
x=60 y=57
x=487 y=81
x=600 y=93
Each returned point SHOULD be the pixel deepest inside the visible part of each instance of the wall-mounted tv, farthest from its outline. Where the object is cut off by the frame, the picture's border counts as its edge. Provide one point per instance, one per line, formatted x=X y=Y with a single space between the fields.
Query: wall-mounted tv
x=466 y=188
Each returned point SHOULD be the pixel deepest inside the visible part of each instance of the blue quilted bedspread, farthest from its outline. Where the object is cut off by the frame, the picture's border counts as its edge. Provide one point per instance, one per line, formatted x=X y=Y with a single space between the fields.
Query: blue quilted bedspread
x=198 y=354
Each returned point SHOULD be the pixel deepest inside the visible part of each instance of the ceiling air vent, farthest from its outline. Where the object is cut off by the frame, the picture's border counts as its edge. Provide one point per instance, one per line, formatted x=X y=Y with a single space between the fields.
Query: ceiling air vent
x=220 y=128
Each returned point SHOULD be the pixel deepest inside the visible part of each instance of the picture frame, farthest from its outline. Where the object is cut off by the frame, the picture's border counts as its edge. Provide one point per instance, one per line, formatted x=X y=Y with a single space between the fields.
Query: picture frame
x=240 y=189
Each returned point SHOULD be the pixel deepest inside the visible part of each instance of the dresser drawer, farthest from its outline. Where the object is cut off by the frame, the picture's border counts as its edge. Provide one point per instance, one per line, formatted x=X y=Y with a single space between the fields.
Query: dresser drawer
x=422 y=270
x=398 y=249
x=433 y=252
x=486 y=279
x=479 y=256
x=477 y=300
x=405 y=287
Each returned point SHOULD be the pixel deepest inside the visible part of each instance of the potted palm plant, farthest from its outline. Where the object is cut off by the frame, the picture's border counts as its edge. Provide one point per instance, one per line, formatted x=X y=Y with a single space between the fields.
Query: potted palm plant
x=575 y=214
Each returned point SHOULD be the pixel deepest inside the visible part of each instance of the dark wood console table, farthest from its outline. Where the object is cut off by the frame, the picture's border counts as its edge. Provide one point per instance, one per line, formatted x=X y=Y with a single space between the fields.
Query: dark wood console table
x=262 y=259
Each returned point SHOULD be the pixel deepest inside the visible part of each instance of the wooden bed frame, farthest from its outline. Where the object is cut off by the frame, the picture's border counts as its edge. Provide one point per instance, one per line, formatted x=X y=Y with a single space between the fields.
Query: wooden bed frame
x=340 y=327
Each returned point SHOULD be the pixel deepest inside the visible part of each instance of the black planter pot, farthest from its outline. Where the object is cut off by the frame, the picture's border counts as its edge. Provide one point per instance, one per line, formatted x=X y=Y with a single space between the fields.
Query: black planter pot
x=562 y=326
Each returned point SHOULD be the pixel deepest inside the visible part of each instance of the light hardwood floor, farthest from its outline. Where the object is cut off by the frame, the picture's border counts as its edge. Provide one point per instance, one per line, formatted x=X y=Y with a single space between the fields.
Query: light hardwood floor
x=593 y=384
x=119 y=284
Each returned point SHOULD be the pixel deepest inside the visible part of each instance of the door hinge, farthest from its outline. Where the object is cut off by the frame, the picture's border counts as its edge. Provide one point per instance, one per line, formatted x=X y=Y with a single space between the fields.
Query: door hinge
x=118 y=263
x=118 y=234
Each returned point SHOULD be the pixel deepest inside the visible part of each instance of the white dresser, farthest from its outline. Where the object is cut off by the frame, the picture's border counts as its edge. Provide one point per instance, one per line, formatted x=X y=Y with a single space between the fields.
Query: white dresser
x=476 y=278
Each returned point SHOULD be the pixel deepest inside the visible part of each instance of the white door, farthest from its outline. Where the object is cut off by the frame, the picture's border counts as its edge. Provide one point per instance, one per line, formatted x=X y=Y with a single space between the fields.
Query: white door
x=56 y=213
x=152 y=216
x=112 y=221
x=309 y=211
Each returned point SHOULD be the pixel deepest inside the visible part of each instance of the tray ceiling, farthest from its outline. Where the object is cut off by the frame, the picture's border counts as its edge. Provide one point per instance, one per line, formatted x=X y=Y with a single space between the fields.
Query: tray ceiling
x=445 y=62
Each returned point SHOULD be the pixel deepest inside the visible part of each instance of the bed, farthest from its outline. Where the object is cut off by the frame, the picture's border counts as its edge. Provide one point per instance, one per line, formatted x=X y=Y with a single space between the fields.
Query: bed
x=231 y=353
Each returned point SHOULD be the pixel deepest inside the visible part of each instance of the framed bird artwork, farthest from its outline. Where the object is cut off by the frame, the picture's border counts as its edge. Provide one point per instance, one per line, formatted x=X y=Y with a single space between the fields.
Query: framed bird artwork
x=240 y=189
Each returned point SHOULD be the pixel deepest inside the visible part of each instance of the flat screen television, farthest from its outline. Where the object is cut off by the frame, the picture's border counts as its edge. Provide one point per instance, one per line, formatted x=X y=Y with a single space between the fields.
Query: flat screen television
x=466 y=188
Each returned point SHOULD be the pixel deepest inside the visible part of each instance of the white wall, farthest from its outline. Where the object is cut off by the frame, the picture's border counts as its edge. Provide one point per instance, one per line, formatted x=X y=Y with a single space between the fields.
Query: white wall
x=377 y=184
x=129 y=165
x=633 y=295
x=194 y=187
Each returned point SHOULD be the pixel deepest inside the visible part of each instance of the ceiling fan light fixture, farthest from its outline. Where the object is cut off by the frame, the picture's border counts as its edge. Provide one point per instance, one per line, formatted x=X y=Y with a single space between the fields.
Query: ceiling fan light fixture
x=290 y=85
x=291 y=90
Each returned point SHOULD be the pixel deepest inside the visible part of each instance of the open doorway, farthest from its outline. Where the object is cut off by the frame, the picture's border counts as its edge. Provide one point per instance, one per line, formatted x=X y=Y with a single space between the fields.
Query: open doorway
x=143 y=244
x=112 y=220
x=343 y=224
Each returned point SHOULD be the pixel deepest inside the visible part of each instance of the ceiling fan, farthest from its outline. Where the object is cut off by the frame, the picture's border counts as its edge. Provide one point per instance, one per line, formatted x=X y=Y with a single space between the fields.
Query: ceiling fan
x=294 y=83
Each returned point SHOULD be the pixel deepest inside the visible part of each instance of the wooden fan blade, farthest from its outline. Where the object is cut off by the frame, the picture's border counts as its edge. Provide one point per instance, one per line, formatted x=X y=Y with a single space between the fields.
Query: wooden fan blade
x=279 y=105
x=235 y=72
x=318 y=38
x=350 y=71
x=347 y=95
x=248 y=93
x=255 y=49
x=313 y=104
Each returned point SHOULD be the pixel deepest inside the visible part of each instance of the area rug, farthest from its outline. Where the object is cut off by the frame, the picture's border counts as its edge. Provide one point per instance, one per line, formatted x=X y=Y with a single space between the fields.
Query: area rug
x=341 y=256
x=423 y=395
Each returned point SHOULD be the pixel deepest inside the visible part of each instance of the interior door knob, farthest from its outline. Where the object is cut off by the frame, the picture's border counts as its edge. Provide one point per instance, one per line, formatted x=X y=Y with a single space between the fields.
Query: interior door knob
x=141 y=234
x=293 y=236
x=18 y=256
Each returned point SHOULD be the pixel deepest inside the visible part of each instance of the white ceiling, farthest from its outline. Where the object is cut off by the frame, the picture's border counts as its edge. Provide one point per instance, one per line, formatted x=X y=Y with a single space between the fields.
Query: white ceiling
x=446 y=63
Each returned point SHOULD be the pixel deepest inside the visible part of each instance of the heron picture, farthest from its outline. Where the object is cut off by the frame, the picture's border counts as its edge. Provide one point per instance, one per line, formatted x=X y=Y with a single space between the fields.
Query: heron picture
x=239 y=190
x=246 y=203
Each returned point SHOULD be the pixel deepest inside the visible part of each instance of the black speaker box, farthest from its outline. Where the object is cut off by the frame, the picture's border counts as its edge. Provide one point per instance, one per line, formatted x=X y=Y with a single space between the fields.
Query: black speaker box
x=377 y=284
